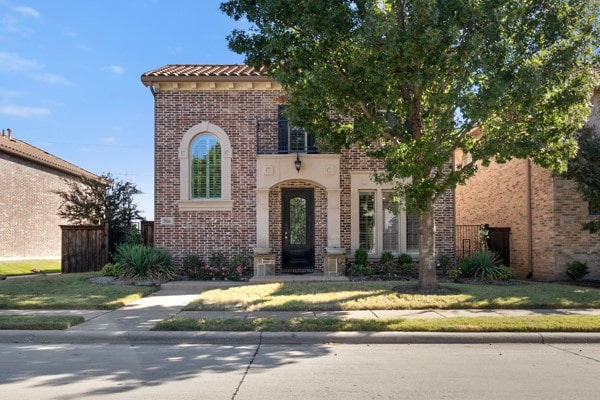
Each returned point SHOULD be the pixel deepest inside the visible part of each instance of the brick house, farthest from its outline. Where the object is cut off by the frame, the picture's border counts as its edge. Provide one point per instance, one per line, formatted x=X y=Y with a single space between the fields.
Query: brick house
x=29 y=225
x=232 y=175
x=544 y=213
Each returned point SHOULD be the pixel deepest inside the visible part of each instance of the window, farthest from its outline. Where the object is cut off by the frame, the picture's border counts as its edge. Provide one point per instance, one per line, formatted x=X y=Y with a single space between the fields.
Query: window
x=205 y=152
x=205 y=169
x=378 y=221
x=367 y=220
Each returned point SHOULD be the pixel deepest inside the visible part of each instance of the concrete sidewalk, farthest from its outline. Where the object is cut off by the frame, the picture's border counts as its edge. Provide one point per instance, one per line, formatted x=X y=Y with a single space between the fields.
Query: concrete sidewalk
x=133 y=323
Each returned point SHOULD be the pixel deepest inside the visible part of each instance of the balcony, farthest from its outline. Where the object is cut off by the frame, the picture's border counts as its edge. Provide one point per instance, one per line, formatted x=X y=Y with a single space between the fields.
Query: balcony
x=278 y=137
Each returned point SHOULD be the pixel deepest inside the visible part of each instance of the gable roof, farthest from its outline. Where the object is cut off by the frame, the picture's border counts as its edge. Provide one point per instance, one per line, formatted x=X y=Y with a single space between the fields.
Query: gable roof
x=26 y=151
x=209 y=70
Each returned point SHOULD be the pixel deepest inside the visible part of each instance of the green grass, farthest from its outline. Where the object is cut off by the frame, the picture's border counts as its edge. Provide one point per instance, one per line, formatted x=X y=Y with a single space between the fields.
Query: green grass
x=37 y=322
x=24 y=267
x=292 y=296
x=569 y=323
x=66 y=292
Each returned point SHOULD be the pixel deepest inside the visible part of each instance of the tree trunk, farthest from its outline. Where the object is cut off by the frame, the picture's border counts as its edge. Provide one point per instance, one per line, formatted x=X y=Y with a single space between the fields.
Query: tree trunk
x=427 y=274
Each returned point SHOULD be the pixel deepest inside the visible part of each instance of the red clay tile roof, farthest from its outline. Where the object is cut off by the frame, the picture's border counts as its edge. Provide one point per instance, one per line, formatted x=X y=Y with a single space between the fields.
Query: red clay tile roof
x=190 y=70
x=26 y=151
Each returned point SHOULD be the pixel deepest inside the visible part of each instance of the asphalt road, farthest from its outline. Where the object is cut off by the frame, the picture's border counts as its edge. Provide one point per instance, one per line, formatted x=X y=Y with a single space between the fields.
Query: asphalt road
x=181 y=372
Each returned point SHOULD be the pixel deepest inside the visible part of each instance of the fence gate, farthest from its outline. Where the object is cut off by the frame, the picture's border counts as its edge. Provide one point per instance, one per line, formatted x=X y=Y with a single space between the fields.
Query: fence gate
x=467 y=241
x=84 y=248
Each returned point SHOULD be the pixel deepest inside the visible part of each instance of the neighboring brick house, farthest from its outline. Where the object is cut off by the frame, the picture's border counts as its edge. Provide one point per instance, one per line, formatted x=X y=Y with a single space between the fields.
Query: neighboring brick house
x=231 y=175
x=544 y=213
x=29 y=224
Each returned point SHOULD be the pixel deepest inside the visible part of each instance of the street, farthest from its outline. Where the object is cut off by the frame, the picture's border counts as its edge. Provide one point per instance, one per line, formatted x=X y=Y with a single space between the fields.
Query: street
x=498 y=371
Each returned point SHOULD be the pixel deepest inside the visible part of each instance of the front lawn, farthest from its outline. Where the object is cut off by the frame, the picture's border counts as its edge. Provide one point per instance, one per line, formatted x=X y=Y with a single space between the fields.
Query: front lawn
x=66 y=292
x=25 y=267
x=553 y=323
x=38 y=322
x=326 y=296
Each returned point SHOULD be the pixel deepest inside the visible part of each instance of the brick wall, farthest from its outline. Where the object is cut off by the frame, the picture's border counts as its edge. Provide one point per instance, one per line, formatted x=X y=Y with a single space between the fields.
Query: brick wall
x=29 y=226
x=497 y=195
x=203 y=233
x=236 y=112
x=571 y=242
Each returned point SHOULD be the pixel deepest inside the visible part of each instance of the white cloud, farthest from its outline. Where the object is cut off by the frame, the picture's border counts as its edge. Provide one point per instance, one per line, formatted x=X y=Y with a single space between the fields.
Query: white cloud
x=24 y=112
x=53 y=79
x=27 y=11
x=13 y=62
x=116 y=69
x=108 y=139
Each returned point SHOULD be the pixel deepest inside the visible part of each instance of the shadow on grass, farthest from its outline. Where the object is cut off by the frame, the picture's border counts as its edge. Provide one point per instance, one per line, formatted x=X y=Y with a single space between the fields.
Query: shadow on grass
x=340 y=296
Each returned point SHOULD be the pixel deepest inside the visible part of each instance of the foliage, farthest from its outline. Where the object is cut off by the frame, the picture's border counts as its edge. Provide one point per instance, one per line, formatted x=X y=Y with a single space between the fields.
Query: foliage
x=576 y=270
x=96 y=202
x=484 y=265
x=584 y=169
x=414 y=81
x=361 y=266
x=218 y=267
x=111 y=269
x=361 y=256
x=386 y=257
x=445 y=263
x=361 y=270
x=140 y=262
x=404 y=259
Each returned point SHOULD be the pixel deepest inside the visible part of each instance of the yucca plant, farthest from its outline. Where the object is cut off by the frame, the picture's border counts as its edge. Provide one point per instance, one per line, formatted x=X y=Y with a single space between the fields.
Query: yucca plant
x=484 y=265
x=139 y=262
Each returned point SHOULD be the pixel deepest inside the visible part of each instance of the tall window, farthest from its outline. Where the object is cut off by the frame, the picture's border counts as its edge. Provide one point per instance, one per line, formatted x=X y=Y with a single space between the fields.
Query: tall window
x=379 y=221
x=367 y=220
x=391 y=227
x=205 y=151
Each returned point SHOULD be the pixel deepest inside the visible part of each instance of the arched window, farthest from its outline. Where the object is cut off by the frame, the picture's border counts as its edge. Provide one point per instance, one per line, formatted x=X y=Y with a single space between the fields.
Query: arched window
x=205 y=169
x=205 y=154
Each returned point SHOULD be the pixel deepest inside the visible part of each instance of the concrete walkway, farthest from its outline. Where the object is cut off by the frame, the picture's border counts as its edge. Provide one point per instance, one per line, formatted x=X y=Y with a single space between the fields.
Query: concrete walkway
x=135 y=321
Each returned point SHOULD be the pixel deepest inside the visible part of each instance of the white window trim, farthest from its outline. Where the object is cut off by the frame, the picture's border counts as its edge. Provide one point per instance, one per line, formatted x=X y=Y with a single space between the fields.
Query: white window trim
x=361 y=181
x=186 y=203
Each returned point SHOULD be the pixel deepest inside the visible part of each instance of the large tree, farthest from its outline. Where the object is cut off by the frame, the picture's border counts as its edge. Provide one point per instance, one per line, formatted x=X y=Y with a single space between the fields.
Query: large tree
x=411 y=80
x=584 y=169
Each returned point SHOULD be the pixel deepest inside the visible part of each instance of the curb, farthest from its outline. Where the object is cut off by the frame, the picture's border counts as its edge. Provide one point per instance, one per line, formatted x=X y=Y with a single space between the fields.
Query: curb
x=256 y=338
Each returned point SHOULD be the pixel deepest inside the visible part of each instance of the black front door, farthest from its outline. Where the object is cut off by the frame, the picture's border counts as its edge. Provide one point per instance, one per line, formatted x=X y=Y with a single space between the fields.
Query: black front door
x=298 y=249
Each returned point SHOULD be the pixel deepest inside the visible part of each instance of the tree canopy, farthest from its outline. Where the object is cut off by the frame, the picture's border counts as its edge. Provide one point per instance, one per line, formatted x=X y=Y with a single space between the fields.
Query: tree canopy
x=97 y=202
x=410 y=80
x=584 y=169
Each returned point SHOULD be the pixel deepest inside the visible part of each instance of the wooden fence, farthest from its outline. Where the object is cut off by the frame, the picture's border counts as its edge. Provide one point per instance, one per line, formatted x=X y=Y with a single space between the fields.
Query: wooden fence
x=86 y=248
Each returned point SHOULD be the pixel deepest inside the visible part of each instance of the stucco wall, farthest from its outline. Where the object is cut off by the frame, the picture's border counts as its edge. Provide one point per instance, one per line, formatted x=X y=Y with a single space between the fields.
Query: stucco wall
x=29 y=225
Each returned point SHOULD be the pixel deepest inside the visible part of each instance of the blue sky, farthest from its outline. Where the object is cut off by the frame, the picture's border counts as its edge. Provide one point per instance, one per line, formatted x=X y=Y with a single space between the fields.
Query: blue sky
x=70 y=75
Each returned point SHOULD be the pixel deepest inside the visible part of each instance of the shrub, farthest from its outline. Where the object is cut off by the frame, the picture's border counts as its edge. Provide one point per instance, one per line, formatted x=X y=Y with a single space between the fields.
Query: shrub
x=218 y=267
x=485 y=265
x=111 y=269
x=361 y=256
x=361 y=270
x=577 y=270
x=141 y=262
x=361 y=265
x=404 y=259
x=445 y=264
